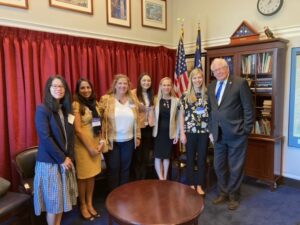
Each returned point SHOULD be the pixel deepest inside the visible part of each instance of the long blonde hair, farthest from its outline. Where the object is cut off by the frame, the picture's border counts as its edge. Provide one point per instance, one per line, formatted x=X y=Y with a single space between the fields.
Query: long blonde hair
x=190 y=93
x=159 y=94
x=119 y=76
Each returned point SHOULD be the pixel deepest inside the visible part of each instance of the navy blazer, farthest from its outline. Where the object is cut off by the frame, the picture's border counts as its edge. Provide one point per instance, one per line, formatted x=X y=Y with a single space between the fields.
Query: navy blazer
x=235 y=114
x=51 y=136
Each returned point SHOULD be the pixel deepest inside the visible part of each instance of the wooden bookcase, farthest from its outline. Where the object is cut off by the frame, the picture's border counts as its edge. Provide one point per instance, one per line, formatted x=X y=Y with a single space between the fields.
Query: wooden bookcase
x=262 y=63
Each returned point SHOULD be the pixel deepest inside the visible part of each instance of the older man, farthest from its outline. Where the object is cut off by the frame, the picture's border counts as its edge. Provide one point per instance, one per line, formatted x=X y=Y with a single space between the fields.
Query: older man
x=231 y=120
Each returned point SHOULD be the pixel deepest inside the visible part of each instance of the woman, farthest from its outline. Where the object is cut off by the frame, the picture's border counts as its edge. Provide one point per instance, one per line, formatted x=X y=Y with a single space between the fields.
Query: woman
x=166 y=129
x=145 y=98
x=55 y=187
x=194 y=129
x=120 y=129
x=88 y=145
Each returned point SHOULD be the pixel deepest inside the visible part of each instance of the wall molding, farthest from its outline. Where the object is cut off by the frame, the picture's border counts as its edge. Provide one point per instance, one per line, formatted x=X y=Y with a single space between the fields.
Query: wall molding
x=283 y=32
x=78 y=33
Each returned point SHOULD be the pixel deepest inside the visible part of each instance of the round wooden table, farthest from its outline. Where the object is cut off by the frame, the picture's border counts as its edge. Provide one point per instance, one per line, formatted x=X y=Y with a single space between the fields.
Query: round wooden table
x=154 y=202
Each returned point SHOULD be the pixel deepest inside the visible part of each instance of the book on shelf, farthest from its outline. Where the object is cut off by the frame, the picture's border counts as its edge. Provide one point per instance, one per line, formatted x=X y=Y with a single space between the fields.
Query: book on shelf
x=257 y=127
x=266 y=108
x=262 y=89
x=267 y=103
x=263 y=126
x=266 y=125
x=264 y=82
x=248 y=64
x=265 y=113
x=265 y=63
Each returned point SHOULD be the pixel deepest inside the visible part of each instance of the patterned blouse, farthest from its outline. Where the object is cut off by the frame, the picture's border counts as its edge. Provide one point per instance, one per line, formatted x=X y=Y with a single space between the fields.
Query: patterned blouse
x=195 y=114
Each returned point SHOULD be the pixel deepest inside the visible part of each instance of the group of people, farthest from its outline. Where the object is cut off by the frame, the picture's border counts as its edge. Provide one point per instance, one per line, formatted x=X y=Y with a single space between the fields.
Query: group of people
x=73 y=136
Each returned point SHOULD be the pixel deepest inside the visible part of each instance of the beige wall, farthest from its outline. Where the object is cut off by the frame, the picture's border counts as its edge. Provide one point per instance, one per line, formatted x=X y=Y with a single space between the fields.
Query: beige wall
x=218 y=20
x=43 y=17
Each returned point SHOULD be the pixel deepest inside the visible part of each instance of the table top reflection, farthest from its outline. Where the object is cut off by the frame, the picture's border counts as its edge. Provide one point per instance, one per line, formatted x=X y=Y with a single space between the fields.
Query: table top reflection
x=154 y=202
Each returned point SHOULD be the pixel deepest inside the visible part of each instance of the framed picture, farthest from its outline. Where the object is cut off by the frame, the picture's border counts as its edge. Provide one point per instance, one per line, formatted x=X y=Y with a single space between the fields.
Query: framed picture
x=190 y=62
x=82 y=6
x=154 y=14
x=294 y=114
x=118 y=12
x=15 y=3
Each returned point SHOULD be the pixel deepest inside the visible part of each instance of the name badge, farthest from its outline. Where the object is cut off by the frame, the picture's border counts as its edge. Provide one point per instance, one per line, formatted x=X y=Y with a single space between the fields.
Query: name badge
x=96 y=122
x=71 y=118
x=200 y=110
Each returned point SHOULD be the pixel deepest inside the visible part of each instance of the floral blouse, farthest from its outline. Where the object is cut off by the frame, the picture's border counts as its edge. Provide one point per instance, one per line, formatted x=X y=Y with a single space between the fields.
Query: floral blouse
x=195 y=114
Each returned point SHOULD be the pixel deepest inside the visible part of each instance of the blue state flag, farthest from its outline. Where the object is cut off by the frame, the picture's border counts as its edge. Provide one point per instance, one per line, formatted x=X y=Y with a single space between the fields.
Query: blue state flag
x=197 y=61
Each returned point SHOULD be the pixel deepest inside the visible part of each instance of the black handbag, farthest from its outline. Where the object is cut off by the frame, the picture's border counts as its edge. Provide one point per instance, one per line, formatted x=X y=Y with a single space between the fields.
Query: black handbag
x=4 y=186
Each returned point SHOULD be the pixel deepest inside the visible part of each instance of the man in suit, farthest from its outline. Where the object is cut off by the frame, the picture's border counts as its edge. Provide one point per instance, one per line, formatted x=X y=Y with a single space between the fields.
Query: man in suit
x=231 y=116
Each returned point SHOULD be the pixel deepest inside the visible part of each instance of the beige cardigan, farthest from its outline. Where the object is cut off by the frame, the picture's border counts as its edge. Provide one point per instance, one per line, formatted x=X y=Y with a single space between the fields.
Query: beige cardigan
x=174 y=118
x=107 y=108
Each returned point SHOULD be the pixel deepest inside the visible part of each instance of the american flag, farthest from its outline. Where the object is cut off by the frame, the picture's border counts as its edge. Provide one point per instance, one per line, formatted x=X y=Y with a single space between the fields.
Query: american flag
x=181 y=80
x=197 y=60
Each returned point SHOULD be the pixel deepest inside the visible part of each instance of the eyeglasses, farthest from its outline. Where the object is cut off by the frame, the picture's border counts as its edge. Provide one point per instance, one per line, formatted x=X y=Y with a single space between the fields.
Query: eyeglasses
x=58 y=86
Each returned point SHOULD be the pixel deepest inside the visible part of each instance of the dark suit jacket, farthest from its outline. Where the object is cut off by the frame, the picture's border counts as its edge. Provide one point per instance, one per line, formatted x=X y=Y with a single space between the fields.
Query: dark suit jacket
x=235 y=113
x=51 y=135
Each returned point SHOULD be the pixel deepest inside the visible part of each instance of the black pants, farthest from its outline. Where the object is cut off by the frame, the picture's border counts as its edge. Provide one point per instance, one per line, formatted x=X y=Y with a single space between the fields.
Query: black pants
x=229 y=160
x=196 y=148
x=118 y=163
x=142 y=154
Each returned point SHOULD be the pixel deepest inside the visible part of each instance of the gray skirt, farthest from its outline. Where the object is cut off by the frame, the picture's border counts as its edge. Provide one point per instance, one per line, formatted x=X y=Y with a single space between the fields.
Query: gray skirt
x=55 y=189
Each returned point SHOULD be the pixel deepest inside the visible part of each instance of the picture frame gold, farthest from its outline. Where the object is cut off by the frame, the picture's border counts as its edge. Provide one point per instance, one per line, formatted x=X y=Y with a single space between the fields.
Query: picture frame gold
x=119 y=12
x=82 y=6
x=190 y=59
x=154 y=14
x=23 y=4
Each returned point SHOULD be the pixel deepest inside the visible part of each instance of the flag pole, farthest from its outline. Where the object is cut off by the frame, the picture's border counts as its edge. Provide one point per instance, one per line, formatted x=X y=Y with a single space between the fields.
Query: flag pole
x=181 y=20
x=182 y=29
x=180 y=76
x=197 y=60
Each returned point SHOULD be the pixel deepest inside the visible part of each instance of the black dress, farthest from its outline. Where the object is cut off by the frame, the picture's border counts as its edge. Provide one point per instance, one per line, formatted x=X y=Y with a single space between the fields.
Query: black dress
x=162 y=143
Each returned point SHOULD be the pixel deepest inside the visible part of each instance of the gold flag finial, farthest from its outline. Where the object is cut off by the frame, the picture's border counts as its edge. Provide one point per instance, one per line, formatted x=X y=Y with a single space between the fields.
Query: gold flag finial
x=181 y=20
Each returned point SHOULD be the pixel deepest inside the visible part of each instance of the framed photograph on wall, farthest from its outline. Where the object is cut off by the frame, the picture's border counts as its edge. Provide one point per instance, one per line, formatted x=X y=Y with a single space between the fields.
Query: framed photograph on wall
x=190 y=61
x=154 y=14
x=23 y=4
x=82 y=6
x=294 y=114
x=118 y=12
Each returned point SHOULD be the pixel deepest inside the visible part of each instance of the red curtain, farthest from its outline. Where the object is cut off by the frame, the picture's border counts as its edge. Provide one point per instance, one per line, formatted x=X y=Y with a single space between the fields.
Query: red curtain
x=28 y=58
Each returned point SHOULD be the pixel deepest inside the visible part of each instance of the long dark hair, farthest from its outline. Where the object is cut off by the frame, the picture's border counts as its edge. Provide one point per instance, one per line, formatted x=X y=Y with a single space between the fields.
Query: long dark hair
x=51 y=102
x=79 y=98
x=149 y=91
x=88 y=102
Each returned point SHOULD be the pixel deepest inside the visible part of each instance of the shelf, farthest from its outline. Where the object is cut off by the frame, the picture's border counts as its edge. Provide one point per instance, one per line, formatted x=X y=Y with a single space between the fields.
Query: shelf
x=264 y=74
x=269 y=138
x=260 y=94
